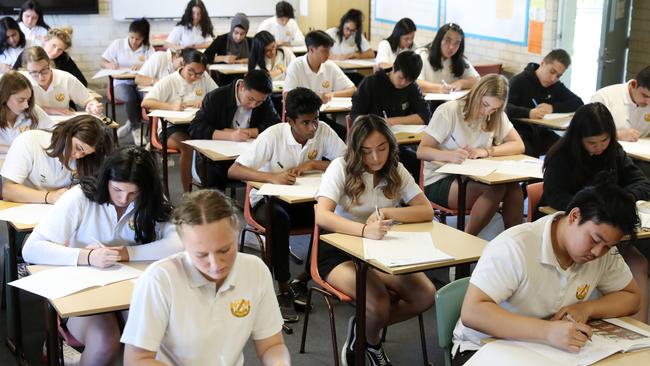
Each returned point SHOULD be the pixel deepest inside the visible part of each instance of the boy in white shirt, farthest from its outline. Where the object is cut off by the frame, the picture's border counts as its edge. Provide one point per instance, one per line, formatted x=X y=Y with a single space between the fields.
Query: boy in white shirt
x=534 y=281
x=201 y=306
x=283 y=26
x=159 y=65
x=279 y=155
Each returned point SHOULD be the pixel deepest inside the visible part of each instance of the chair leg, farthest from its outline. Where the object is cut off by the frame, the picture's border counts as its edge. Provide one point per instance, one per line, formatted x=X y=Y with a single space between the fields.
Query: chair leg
x=330 y=310
x=335 y=347
x=383 y=334
x=242 y=236
x=423 y=340
x=304 y=325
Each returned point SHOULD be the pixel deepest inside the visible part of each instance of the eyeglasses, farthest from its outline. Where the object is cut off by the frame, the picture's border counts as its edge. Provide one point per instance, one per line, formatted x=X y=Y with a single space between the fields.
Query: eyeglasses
x=37 y=73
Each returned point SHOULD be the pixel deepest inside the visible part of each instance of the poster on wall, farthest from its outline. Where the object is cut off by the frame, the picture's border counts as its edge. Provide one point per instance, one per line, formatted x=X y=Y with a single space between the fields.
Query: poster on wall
x=497 y=20
x=537 y=14
x=425 y=13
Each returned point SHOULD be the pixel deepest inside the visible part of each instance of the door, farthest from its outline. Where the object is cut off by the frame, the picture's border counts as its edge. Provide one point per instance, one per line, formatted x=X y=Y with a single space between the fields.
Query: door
x=615 y=33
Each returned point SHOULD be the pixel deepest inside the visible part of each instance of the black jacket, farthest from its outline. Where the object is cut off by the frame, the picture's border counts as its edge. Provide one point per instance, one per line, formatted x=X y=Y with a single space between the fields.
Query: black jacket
x=218 y=109
x=219 y=46
x=560 y=184
x=63 y=62
x=525 y=86
x=376 y=95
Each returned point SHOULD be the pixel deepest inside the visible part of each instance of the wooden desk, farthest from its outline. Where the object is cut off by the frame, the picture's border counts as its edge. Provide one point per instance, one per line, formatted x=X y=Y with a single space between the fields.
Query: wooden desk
x=641 y=233
x=555 y=124
x=465 y=248
x=639 y=150
x=405 y=138
x=362 y=66
x=111 y=89
x=288 y=199
x=229 y=69
x=338 y=109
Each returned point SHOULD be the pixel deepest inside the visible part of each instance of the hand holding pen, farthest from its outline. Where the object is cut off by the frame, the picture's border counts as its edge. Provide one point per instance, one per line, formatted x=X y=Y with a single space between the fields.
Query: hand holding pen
x=458 y=155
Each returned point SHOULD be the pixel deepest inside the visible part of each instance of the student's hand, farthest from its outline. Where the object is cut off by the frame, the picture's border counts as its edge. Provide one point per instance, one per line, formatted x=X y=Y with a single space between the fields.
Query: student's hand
x=55 y=195
x=104 y=257
x=373 y=217
x=457 y=156
x=304 y=167
x=124 y=253
x=456 y=86
x=580 y=312
x=229 y=59
x=567 y=335
x=628 y=134
x=178 y=105
x=58 y=111
x=545 y=108
x=95 y=108
x=326 y=97
x=4 y=68
x=240 y=134
x=377 y=230
x=286 y=177
x=536 y=113
x=477 y=153
x=136 y=67
x=113 y=65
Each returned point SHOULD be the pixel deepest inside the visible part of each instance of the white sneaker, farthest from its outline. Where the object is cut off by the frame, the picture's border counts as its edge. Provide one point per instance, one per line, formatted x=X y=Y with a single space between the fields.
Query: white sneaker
x=137 y=135
x=124 y=130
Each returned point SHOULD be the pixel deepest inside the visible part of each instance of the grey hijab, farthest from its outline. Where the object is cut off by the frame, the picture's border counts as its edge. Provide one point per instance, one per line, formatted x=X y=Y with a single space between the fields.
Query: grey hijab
x=238 y=49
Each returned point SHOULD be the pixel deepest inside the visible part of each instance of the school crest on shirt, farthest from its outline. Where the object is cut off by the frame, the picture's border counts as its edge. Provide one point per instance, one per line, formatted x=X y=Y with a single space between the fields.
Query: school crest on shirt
x=141 y=58
x=326 y=84
x=131 y=224
x=581 y=291
x=240 y=308
x=199 y=92
x=59 y=97
x=312 y=154
x=646 y=117
x=23 y=128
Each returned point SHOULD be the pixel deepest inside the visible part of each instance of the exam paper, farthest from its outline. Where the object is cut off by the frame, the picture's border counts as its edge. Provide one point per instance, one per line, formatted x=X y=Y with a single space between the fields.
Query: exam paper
x=66 y=280
x=528 y=168
x=223 y=147
x=640 y=147
x=337 y=103
x=229 y=67
x=304 y=187
x=407 y=128
x=365 y=63
x=475 y=167
x=187 y=114
x=27 y=214
x=109 y=72
x=552 y=116
x=445 y=96
x=401 y=248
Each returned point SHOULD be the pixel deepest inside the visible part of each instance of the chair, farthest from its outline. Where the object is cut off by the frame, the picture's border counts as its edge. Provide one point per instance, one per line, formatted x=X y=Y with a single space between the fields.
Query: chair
x=439 y=210
x=449 y=300
x=348 y=126
x=485 y=69
x=156 y=146
x=534 y=192
x=330 y=292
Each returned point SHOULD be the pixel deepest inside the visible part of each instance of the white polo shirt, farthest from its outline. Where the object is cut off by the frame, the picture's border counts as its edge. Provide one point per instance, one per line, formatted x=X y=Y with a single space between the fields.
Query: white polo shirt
x=22 y=124
x=76 y=222
x=184 y=36
x=242 y=116
x=346 y=45
x=329 y=78
x=521 y=273
x=35 y=35
x=27 y=163
x=333 y=181
x=179 y=314
x=289 y=33
x=448 y=121
x=385 y=53
x=10 y=55
x=158 y=65
x=446 y=73
x=63 y=88
x=120 y=51
x=625 y=112
x=284 y=56
x=276 y=150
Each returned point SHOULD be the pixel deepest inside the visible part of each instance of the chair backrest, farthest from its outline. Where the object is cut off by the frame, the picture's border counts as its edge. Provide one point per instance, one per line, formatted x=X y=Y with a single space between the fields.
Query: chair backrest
x=534 y=192
x=348 y=125
x=488 y=69
x=421 y=177
x=248 y=215
x=449 y=300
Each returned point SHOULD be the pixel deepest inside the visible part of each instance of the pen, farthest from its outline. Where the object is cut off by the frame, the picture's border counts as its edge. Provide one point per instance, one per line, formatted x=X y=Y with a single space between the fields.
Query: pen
x=377 y=213
x=237 y=123
x=385 y=115
x=447 y=85
x=281 y=166
x=454 y=140
x=534 y=102
x=570 y=318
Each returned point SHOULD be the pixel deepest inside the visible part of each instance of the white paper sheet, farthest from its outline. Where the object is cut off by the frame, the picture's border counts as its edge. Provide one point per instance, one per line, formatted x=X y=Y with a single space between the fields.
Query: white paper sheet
x=108 y=72
x=528 y=168
x=475 y=167
x=27 y=214
x=223 y=147
x=187 y=114
x=401 y=248
x=58 y=119
x=362 y=63
x=407 y=128
x=552 y=116
x=278 y=85
x=337 y=103
x=506 y=353
x=640 y=147
x=445 y=96
x=66 y=280
x=229 y=67
x=304 y=187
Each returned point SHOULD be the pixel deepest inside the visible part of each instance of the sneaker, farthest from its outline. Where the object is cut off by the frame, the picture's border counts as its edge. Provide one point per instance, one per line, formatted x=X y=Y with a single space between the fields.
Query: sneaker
x=300 y=291
x=124 y=130
x=377 y=356
x=289 y=314
x=71 y=357
x=136 y=133
x=347 y=352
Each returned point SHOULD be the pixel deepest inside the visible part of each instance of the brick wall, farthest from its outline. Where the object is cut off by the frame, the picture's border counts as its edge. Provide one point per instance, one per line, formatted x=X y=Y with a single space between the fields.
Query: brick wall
x=639 y=55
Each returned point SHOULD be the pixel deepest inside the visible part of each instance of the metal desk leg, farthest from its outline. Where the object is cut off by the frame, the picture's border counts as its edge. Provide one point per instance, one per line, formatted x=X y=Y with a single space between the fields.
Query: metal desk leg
x=163 y=124
x=111 y=93
x=360 y=345
x=54 y=357
x=14 y=340
x=462 y=270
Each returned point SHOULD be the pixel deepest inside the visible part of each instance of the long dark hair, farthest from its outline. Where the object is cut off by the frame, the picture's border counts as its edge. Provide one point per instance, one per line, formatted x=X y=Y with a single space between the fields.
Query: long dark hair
x=6 y=24
x=591 y=119
x=37 y=8
x=141 y=26
x=256 y=57
x=458 y=63
x=205 y=23
x=355 y=16
x=133 y=164
x=402 y=27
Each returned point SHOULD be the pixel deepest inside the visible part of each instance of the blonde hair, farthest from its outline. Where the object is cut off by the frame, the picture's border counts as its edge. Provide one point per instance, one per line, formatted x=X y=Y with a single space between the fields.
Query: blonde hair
x=204 y=207
x=491 y=85
x=64 y=33
x=35 y=54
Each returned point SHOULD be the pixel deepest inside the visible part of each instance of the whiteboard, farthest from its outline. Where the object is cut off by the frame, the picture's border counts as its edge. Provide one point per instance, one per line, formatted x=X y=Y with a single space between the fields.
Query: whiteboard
x=425 y=13
x=130 y=9
x=498 y=20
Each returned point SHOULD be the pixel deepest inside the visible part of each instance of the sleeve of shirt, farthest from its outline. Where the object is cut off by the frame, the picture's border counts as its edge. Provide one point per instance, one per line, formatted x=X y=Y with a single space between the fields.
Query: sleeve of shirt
x=150 y=66
x=410 y=189
x=470 y=72
x=440 y=126
x=331 y=184
x=365 y=46
x=19 y=161
x=44 y=120
x=341 y=81
x=418 y=104
x=210 y=83
x=616 y=274
x=631 y=177
x=158 y=92
x=168 y=244
x=211 y=51
x=268 y=319
x=78 y=93
x=149 y=310
x=174 y=36
x=515 y=108
x=260 y=151
x=48 y=243
x=383 y=53
x=500 y=270
x=361 y=99
x=298 y=37
x=110 y=54
x=334 y=146
x=504 y=129
x=424 y=55
x=567 y=101
x=291 y=80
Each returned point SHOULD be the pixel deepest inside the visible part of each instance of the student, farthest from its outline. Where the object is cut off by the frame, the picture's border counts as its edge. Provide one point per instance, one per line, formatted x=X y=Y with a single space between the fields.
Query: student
x=55 y=89
x=349 y=41
x=267 y=56
x=629 y=104
x=588 y=147
x=393 y=93
x=130 y=52
x=159 y=65
x=121 y=215
x=538 y=91
x=237 y=112
x=32 y=23
x=533 y=282
x=12 y=43
x=177 y=298
x=283 y=26
x=18 y=112
x=182 y=89
x=445 y=67
x=194 y=30
x=42 y=165
x=55 y=44
x=367 y=179
x=473 y=127
x=401 y=39
x=315 y=71
x=232 y=47
x=280 y=154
